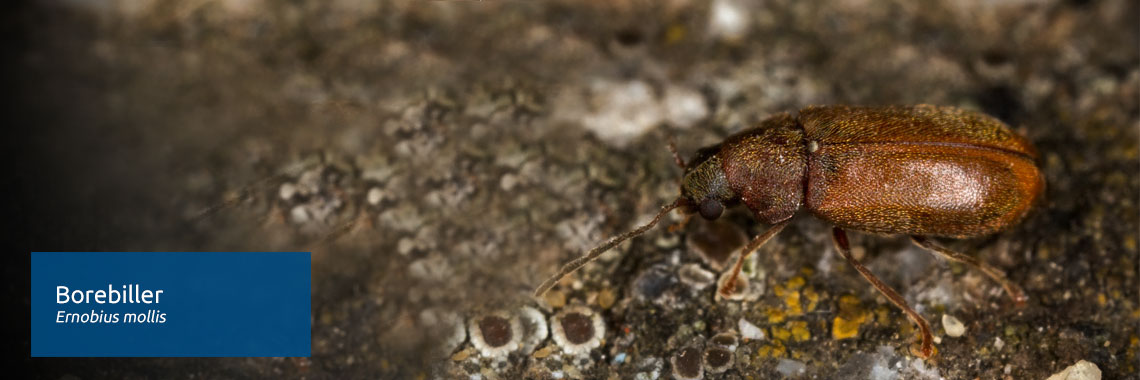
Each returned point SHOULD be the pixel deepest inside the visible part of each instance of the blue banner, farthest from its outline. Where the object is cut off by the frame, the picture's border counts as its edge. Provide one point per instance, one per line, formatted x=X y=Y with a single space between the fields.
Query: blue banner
x=171 y=304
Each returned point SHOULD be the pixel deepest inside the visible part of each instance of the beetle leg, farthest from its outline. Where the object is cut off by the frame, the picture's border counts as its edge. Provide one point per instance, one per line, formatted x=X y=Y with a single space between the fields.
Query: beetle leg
x=730 y=285
x=1011 y=289
x=841 y=245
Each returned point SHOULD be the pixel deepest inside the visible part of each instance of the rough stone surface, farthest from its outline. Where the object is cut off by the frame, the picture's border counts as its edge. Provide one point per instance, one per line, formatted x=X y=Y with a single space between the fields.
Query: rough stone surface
x=450 y=155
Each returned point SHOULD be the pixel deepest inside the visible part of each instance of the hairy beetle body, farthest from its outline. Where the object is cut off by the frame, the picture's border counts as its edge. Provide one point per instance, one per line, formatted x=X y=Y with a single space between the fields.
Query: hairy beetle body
x=922 y=170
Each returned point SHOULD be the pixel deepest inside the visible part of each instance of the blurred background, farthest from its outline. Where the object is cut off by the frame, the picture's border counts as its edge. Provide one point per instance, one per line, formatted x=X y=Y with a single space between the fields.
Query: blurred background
x=441 y=158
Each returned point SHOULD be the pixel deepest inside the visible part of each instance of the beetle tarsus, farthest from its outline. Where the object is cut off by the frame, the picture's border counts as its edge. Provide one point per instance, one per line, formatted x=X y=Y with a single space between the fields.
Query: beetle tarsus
x=1011 y=289
x=841 y=245
x=756 y=243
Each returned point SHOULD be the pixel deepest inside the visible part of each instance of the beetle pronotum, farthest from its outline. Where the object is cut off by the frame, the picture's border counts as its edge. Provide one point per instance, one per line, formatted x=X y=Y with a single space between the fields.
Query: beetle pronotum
x=920 y=171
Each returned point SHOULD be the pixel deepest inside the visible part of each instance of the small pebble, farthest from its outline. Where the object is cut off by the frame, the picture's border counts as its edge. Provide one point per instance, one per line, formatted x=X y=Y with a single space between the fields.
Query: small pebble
x=749 y=331
x=555 y=298
x=462 y=355
x=1082 y=370
x=287 y=191
x=544 y=352
x=606 y=298
x=953 y=326
x=299 y=215
x=375 y=195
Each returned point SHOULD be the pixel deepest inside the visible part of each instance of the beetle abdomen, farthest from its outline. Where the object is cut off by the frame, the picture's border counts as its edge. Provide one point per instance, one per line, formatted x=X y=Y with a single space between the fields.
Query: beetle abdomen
x=917 y=170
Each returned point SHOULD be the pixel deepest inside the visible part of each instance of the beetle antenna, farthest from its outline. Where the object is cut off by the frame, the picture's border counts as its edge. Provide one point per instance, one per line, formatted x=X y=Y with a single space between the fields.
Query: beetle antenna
x=593 y=254
x=676 y=156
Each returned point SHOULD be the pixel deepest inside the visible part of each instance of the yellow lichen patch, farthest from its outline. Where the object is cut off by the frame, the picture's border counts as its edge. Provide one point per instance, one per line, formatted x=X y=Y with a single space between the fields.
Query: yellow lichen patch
x=807 y=271
x=776 y=315
x=844 y=329
x=792 y=301
x=800 y=331
x=790 y=294
x=797 y=282
x=850 y=318
x=781 y=333
x=883 y=315
x=907 y=328
x=1101 y=299
x=780 y=290
x=811 y=299
x=773 y=350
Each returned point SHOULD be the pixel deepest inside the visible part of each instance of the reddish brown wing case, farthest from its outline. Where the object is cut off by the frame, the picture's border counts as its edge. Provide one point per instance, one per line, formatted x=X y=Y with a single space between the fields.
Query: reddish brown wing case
x=921 y=170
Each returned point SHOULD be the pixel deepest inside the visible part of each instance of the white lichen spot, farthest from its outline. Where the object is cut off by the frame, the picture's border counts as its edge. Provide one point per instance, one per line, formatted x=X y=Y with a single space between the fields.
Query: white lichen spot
x=790 y=368
x=375 y=195
x=728 y=20
x=684 y=107
x=621 y=111
x=287 y=191
x=535 y=329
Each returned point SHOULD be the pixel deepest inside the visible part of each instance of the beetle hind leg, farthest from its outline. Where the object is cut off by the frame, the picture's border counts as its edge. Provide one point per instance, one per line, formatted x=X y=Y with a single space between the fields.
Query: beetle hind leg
x=841 y=245
x=997 y=275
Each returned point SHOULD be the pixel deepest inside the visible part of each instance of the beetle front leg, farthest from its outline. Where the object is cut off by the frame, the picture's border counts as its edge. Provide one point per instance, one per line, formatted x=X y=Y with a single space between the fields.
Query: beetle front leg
x=1011 y=289
x=841 y=245
x=756 y=243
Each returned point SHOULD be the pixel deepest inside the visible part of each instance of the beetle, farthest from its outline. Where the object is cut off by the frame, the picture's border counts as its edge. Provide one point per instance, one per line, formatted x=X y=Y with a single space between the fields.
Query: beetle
x=922 y=171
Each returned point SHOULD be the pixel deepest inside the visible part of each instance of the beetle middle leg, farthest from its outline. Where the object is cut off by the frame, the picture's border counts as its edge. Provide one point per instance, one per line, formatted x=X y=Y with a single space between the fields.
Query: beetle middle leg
x=997 y=275
x=841 y=245
x=755 y=244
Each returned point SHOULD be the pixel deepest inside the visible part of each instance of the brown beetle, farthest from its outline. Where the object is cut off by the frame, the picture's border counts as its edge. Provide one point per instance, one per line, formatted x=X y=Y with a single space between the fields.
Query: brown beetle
x=919 y=171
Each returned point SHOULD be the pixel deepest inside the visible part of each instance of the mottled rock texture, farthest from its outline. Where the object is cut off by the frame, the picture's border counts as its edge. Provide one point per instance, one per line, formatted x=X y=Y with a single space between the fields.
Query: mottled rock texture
x=441 y=158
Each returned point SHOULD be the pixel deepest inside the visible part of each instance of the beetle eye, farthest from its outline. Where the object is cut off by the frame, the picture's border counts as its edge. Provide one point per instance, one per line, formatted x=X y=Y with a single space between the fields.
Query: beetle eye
x=711 y=209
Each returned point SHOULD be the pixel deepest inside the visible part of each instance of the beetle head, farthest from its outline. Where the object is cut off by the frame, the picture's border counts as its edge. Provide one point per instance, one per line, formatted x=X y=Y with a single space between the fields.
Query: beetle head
x=705 y=189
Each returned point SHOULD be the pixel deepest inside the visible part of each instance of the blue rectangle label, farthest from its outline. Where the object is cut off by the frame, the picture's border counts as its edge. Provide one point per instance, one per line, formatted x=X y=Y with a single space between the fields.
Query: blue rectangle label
x=171 y=304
